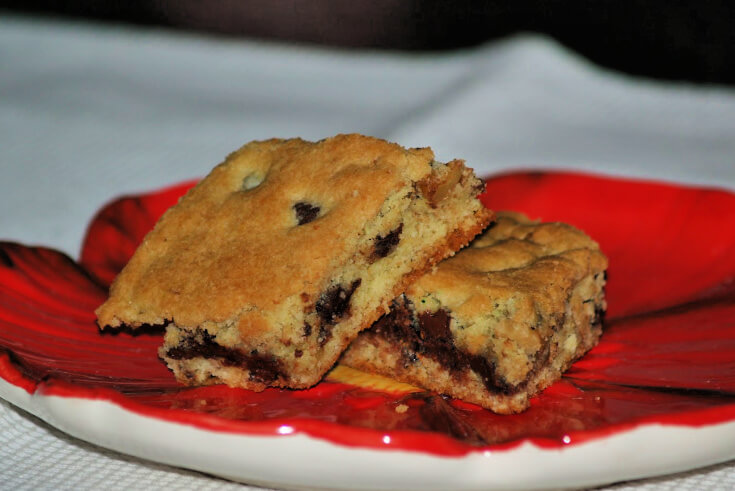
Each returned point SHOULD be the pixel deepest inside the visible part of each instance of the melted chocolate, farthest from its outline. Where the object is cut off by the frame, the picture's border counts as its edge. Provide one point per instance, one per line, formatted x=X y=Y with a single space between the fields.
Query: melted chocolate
x=384 y=245
x=305 y=212
x=487 y=372
x=263 y=368
x=428 y=334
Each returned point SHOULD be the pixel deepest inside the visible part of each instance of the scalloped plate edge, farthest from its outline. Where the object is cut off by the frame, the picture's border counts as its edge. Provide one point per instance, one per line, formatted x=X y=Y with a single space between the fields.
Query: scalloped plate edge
x=645 y=451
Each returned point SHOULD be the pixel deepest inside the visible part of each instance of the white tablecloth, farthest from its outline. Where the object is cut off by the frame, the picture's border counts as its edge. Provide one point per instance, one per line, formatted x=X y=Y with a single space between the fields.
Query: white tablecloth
x=89 y=112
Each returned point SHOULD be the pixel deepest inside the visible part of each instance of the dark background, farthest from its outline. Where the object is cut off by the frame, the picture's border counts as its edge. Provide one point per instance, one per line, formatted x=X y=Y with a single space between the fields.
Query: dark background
x=677 y=40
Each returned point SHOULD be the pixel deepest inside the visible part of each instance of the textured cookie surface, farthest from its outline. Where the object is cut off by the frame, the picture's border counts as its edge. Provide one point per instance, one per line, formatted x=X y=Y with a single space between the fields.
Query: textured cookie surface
x=269 y=267
x=499 y=321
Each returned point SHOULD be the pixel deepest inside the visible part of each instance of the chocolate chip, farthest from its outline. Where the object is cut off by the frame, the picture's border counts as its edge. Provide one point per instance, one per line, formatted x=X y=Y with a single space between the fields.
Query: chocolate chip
x=436 y=324
x=399 y=322
x=298 y=353
x=384 y=245
x=305 y=212
x=334 y=303
x=307 y=329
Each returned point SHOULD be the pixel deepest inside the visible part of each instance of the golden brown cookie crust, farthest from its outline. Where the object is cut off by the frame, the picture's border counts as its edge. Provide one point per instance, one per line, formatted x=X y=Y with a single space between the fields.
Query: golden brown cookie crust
x=253 y=258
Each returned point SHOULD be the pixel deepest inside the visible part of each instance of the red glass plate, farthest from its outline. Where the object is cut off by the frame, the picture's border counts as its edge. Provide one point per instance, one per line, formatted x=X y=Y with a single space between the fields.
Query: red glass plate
x=661 y=381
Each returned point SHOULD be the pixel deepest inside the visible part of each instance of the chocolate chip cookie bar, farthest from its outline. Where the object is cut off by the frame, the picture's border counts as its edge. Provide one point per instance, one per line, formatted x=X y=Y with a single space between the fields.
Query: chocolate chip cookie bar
x=496 y=323
x=267 y=269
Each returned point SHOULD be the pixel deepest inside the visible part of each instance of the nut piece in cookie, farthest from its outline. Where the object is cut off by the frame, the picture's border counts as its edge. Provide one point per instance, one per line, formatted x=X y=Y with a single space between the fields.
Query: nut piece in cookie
x=496 y=323
x=267 y=269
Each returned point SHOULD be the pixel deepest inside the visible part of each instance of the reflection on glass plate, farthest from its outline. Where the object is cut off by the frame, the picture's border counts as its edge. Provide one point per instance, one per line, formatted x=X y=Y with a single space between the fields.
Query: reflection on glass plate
x=661 y=381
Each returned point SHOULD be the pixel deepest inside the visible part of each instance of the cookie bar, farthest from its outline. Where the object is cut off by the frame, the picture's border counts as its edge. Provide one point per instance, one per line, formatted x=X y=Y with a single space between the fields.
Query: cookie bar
x=496 y=323
x=266 y=270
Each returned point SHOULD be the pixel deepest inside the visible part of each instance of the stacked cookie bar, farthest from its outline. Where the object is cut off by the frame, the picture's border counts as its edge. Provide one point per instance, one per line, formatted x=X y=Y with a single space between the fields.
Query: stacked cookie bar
x=267 y=269
x=499 y=321
x=289 y=251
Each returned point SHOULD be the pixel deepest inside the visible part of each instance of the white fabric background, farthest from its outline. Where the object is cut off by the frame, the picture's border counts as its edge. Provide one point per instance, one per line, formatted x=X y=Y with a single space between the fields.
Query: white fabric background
x=89 y=112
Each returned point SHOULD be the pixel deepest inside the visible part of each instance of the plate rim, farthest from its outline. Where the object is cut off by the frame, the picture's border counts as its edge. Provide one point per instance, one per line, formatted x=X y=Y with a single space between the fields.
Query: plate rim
x=578 y=465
